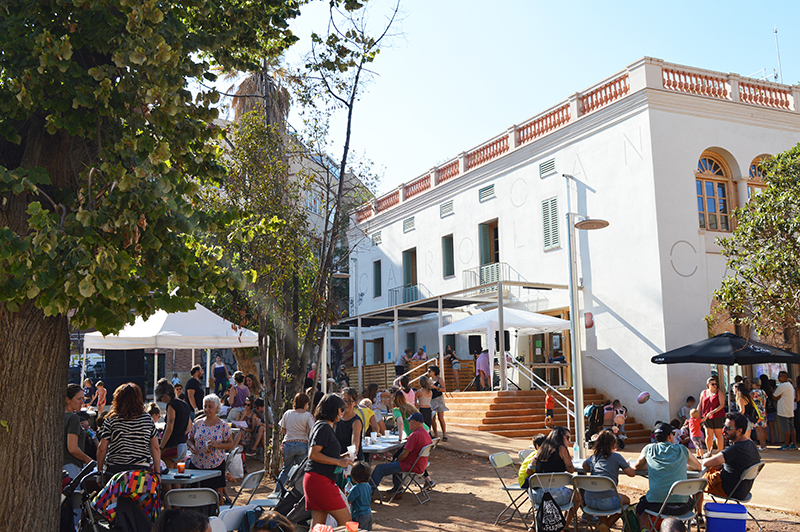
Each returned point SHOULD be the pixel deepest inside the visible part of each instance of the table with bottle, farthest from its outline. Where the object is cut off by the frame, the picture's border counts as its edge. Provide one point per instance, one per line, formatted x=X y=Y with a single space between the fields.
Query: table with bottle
x=376 y=444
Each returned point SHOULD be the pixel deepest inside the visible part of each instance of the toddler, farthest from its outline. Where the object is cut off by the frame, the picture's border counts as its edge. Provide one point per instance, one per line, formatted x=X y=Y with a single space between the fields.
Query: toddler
x=696 y=432
x=549 y=406
x=360 y=496
x=620 y=416
x=683 y=415
x=100 y=396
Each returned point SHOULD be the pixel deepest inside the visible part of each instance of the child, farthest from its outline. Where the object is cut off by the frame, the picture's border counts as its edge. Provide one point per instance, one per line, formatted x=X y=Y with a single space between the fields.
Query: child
x=683 y=415
x=528 y=468
x=88 y=392
x=360 y=496
x=695 y=432
x=620 y=416
x=549 y=406
x=154 y=412
x=607 y=463
x=100 y=396
x=423 y=397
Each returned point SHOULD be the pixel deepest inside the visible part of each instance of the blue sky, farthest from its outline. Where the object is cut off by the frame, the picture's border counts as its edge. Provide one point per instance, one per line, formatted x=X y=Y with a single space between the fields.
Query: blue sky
x=464 y=71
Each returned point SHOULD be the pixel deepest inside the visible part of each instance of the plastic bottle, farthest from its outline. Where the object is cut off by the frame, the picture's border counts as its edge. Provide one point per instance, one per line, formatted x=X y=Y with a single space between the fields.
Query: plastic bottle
x=576 y=450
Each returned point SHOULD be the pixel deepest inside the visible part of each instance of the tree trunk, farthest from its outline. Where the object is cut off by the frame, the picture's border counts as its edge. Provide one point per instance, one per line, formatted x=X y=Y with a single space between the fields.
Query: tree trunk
x=34 y=349
x=246 y=361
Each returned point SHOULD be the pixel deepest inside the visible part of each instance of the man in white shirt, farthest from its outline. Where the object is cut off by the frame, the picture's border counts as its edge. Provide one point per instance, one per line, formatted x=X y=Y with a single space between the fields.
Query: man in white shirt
x=784 y=395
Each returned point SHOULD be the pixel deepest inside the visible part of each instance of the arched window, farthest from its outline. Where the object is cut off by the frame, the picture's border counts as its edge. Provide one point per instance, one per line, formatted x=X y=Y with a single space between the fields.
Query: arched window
x=754 y=181
x=712 y=180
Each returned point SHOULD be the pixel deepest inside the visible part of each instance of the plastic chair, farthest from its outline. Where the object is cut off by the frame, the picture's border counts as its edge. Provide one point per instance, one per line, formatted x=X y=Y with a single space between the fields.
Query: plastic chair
x=250 y=482
x=685 y=488
x=232 y=517
x=409 y=477
x=193 y=498
x=549 y=481
x=500 y=461
x=524 y=453
x=749 y=474
x=592 y=483
x=217 y=525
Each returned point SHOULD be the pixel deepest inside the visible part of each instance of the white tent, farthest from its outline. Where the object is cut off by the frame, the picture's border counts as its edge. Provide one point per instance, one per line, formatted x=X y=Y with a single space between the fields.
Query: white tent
x=196 y=329
x=526 y=322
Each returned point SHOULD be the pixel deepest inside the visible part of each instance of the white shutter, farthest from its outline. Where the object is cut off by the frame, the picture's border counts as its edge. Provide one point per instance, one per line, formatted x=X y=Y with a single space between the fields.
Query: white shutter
x=408 y=224
x=446 y=209
x=547 y=168
x=486 y=193
x=550 y=233
x=376 y=238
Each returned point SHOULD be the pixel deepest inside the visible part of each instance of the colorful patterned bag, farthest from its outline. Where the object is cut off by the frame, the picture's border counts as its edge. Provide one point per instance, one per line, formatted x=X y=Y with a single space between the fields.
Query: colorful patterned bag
x=138 y=485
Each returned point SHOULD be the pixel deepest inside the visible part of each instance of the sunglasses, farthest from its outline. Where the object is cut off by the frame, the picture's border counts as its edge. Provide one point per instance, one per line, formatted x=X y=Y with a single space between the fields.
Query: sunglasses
x=269 y=525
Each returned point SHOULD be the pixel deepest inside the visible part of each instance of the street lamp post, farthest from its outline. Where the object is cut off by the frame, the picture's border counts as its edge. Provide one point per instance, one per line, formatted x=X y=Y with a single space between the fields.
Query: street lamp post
x=574 y=311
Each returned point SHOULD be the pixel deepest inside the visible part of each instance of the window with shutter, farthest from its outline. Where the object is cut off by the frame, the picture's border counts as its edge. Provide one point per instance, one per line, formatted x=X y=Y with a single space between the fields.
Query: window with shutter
x=376 y=238
x=547 y=168
x=486 y=193
x=448 y=264
x=446 y=209
x=376 y=278
x=408 y=224
x=550 y=224
x=484 y=243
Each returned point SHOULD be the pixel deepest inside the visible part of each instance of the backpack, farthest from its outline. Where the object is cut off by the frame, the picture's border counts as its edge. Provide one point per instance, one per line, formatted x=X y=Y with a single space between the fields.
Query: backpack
x=548 y=516
x=751 y=413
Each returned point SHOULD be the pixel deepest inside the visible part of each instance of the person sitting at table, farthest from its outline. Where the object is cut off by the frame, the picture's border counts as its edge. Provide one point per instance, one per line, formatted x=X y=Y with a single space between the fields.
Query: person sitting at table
x=237 y=395
x=374 y=396
x=209 y=439
x=554 y=457
x=418 y=439
x=368 y=417
x=726 y=468
x=666 y=463
x=606 y=462
x=526 y=469
x=401 y=411
x=128 y=437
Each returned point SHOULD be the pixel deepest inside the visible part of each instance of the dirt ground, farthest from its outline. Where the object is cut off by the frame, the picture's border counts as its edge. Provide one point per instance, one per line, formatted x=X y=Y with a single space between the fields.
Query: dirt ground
x=468 y=497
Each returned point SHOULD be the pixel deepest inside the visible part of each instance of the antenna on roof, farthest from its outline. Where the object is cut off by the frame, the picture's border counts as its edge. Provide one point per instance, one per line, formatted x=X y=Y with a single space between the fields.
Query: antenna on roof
x=777 y=49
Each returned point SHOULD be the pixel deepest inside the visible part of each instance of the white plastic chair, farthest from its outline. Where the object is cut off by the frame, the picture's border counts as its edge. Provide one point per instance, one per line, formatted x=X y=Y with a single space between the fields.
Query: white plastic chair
x=232 y=517
x=408 y=477
x=591 y=483
x=685 y=488
x=500 y=461
x=524 y=453
x=250 y=482
x=217 y=525
x=192 y=498
x=749 y=474
x=549 y=481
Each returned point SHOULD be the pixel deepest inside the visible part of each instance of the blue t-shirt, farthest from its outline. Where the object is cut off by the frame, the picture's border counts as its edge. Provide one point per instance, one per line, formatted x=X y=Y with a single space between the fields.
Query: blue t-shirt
x=360 y=498
x=666 y=464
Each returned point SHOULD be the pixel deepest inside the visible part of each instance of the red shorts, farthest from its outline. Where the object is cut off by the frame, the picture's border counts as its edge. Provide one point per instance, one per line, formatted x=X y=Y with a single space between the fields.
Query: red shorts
x=322 y=494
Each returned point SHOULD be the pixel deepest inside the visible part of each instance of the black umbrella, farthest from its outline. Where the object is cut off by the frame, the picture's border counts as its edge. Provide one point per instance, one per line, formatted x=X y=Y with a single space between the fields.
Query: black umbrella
x=727 y=349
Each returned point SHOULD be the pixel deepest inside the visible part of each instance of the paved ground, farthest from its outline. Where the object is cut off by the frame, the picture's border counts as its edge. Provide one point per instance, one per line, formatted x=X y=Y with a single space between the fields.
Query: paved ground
x=777 y=487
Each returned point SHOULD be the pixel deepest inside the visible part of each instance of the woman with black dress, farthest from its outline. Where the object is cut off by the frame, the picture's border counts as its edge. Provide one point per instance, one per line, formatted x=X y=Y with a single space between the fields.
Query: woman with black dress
x=323 y=497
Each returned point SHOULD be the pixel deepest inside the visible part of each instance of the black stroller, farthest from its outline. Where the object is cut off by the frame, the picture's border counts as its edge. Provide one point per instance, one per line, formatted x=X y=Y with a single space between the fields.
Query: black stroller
x=292 y=501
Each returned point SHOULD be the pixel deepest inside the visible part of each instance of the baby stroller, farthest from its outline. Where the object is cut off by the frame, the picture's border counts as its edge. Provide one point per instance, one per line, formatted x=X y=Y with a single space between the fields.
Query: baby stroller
x=129 y=502
x=594 y=422
x=67 y=523
x=292 y=501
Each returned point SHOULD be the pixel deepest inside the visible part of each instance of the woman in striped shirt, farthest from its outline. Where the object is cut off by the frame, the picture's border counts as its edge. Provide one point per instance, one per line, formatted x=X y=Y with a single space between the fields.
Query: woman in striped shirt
x=128 y=436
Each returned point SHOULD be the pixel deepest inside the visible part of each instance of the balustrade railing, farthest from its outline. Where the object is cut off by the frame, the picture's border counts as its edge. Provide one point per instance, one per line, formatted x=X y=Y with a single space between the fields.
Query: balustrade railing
x=763 y=95
x=674 y=77
x=407 y=294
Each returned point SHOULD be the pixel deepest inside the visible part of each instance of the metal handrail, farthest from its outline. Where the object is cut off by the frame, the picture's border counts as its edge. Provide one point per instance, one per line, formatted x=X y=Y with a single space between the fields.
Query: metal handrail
x=409 y=372
x=615 y=372
x=543 y=383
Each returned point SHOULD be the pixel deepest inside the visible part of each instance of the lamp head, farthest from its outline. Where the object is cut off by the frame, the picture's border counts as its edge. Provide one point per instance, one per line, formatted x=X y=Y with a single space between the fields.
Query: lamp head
x=588 y=224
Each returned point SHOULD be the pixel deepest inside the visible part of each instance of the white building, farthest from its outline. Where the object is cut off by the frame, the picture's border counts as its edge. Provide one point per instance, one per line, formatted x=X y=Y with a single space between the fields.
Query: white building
x=663 y=152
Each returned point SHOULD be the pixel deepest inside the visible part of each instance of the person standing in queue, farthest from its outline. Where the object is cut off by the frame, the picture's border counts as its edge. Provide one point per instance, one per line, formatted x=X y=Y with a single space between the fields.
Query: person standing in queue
x=323 y=497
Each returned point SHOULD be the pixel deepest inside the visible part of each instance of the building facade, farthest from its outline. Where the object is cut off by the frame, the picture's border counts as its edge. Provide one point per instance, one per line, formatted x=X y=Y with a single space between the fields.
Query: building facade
x=663 y=152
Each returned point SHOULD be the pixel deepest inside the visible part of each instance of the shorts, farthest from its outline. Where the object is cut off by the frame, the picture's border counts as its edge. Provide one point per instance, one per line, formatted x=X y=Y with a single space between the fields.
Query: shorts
x=437 y=405
x=322 y=494
x=456 y=366
x=771 y=416
x=714 y=479
x=786 y=423
x=561 y=495
x=216 y=482
x=699 y=443
x=399 y=370
x=364 y=521
x=177 y=453
x=670 y=509
x=714 y=423
x=426 y=414
x=548 y=412
x=606 y=505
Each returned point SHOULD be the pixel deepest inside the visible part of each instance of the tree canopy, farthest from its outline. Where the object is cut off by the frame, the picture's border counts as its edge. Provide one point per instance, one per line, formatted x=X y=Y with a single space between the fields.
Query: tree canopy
x=762 y=289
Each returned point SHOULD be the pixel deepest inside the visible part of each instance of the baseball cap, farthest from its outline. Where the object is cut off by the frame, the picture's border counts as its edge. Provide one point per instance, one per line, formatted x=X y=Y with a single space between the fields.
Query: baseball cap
x=663 y=428
x=416 y=416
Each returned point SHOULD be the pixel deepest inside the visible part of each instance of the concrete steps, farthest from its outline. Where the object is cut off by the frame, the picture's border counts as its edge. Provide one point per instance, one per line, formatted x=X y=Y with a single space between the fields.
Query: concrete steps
x=520 y=413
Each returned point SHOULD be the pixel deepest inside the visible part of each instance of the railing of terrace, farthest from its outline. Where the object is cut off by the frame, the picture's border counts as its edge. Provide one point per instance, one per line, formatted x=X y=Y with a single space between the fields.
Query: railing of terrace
x=763 y=95
x=605 y=94
x=487 y=152
x=544 y=124
x=417 y=186
x=448 y=171
x=695 y=83
x=385 y=202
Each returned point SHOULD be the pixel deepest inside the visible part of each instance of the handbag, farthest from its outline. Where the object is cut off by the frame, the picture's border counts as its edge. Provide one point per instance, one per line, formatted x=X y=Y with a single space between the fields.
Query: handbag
x=548 y=516
x=630 y=521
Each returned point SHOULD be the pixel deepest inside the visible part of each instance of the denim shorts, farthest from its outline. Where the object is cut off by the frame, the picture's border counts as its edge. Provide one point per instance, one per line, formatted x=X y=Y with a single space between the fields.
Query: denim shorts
x=611 y=503
x=561 y=495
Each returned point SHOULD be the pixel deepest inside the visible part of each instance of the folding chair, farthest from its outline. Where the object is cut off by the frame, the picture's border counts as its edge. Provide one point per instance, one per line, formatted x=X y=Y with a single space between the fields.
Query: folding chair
x=592 y=483
x=232 y=517
x=524 y=453
x=217 y=525
x=549 y=481
x=749 y=474
x=500 y=461
x=409 y=477
x=686 y=488
x=250 y=482
x=193 y=498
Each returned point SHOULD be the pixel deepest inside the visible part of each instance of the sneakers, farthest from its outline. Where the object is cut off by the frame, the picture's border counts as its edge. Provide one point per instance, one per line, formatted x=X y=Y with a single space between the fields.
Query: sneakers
x=785 y=447
x=793 y=447
x=429 y=485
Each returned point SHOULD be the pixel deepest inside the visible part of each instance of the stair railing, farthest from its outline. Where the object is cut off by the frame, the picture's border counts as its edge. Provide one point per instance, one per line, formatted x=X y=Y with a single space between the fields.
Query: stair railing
x=396 y=381
x=615 y=372
x=568 y=404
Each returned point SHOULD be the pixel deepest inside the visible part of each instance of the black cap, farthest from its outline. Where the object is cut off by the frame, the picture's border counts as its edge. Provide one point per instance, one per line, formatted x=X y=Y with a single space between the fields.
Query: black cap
x=663 y=427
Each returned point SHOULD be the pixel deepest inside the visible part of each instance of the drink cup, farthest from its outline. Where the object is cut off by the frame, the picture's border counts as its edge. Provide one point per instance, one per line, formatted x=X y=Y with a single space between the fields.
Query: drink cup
x=373 y=436
x=181 y=467
x=351 y=449
x=351 y=526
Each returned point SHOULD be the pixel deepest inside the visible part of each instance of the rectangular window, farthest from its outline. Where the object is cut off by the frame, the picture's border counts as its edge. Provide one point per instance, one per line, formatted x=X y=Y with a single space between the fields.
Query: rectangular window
x=411 y=341
x=376 y=278
x=550 y=235
x=712 y=205
x=448 y=264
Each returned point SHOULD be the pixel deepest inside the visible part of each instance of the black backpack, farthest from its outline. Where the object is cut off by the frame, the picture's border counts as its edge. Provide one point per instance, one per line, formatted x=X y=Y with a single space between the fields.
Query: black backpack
x=548 y=516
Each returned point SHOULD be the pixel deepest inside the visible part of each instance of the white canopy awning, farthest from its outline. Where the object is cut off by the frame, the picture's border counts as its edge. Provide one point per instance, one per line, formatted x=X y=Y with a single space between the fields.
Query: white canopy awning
x=196 y=329
x=526 y=322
